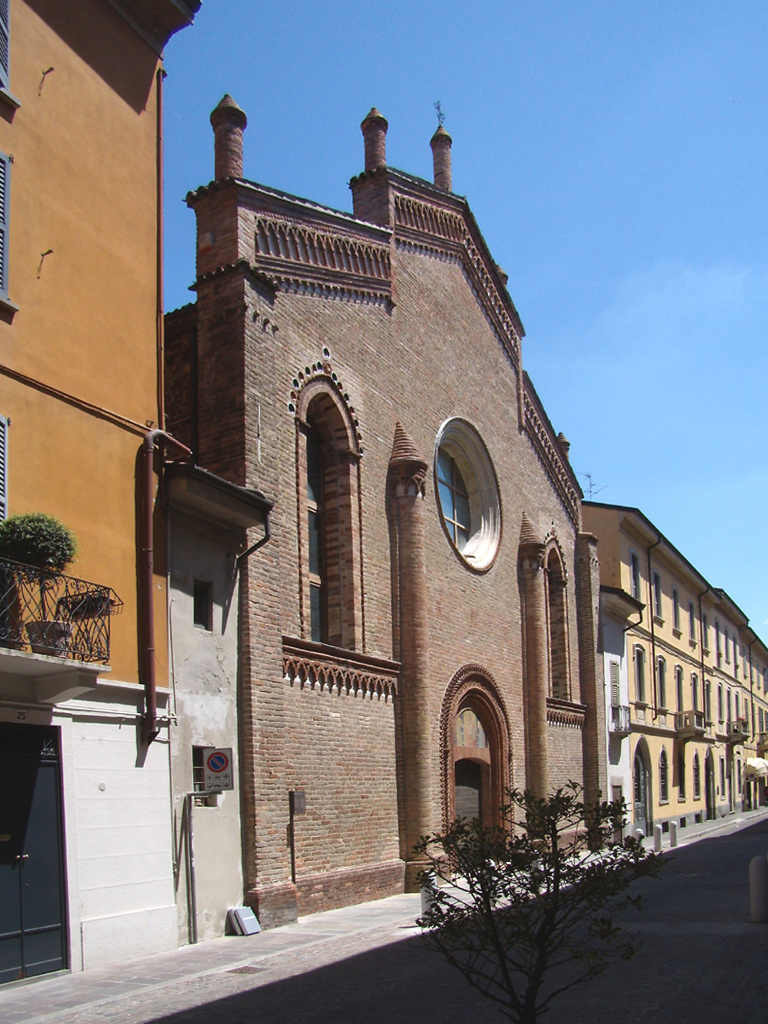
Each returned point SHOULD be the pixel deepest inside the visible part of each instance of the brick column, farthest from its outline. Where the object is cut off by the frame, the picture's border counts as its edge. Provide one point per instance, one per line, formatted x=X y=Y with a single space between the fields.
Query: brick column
x=405 y=507
x=591 y=666
x=535 y=690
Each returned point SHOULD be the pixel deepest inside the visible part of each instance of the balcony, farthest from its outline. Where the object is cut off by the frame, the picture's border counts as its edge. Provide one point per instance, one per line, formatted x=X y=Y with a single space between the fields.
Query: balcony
x=690 y=725
x=762 y=743
x=736 y=730
x=48 y=613
x=316 y=666
x=619 y=720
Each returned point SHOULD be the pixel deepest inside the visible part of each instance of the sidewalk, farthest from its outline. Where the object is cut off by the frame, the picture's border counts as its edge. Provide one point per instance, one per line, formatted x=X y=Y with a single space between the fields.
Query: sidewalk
x=326 y=952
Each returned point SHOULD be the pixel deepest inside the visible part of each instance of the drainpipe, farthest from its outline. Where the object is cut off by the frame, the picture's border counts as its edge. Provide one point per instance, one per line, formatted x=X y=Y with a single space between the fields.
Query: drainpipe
x=145 y=495
x=159 y=313
x=652 y=606
x=254 y=547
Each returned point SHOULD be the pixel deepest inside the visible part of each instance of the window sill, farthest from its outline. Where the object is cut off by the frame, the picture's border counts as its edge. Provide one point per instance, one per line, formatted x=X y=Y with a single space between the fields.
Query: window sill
x=677 y=632
x=8 y=101
x=692 y=644
x=663 y=803
x=658 y=620
x=8 y=309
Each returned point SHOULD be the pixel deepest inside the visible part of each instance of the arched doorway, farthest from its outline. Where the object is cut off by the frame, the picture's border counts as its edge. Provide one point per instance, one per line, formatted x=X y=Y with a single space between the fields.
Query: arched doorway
x=709 y=785
x=641 y=777
x=474 y=748
x=471 y=767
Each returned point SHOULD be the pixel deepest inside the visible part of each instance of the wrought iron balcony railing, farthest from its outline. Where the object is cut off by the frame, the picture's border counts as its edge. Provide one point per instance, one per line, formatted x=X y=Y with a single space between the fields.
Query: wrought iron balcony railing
x=737 y=730
x=50 y=613
x=619 y=723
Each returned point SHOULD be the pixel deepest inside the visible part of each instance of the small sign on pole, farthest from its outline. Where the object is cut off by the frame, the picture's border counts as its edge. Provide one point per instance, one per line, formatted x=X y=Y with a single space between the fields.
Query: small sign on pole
x=217 y=769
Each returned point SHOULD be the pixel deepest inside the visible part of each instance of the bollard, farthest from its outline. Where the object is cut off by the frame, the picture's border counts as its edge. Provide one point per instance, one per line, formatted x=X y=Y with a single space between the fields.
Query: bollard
x=428 y=897
x=640 y=836
x=657 y=839
x=673 y=834
x=758 y=890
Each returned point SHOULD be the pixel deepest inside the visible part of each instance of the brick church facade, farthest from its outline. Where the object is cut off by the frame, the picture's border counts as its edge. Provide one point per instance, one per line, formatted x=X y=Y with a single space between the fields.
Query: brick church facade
x=420 y=632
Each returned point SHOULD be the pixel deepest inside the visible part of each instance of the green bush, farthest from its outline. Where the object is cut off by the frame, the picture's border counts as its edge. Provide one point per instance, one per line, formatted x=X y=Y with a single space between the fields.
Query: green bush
x=37 y=539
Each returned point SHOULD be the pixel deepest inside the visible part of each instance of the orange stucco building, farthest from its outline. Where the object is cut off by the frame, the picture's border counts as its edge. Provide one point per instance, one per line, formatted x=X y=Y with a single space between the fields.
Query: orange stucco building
x=80 y=386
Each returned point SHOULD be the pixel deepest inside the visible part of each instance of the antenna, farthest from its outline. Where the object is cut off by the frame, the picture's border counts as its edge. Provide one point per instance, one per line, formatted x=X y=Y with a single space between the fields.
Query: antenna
x=440 y=114
x=592 y=490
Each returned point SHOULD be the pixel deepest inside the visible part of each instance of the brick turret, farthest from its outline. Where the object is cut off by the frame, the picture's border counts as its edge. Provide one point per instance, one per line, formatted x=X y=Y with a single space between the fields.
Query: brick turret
x=441 y=158
x=374 y=129
x=229 y=123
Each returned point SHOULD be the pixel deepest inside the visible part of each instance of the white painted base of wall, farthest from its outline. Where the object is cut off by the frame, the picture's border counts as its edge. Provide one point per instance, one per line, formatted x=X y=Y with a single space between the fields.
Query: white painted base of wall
x=109 y=940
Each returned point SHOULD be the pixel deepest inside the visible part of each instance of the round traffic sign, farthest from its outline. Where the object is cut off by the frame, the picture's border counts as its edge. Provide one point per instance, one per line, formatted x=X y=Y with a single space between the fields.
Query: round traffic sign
x=218 y=762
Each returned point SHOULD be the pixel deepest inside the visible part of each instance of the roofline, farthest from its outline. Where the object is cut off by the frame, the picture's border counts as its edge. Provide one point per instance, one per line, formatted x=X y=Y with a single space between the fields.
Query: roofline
x=721 y=594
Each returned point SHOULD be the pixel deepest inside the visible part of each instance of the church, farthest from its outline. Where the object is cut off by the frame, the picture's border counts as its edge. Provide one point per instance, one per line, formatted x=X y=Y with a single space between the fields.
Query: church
x=420 y=632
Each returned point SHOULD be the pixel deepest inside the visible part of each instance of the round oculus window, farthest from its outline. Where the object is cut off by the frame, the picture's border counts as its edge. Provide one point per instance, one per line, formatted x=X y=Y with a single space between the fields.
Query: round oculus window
x=467 y=494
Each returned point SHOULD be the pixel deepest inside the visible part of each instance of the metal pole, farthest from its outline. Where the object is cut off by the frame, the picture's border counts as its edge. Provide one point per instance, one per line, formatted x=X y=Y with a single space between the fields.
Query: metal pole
x=191 y=870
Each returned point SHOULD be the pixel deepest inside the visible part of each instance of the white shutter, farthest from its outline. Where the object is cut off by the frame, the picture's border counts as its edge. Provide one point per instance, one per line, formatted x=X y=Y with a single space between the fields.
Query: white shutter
x=615 y=685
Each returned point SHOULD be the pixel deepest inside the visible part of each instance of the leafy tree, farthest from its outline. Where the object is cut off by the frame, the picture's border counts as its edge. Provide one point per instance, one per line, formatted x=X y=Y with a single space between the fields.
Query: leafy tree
x=533 y=897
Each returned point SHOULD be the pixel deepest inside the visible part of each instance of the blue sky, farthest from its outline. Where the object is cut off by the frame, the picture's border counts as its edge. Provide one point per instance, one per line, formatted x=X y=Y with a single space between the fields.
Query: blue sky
x=615 y=155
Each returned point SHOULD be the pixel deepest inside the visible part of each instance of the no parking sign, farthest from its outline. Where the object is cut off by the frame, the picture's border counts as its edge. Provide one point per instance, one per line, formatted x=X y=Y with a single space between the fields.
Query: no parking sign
x=217 y=767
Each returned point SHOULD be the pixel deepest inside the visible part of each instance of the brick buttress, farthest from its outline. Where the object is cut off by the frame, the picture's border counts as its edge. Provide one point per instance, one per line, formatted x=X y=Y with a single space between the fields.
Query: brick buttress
x=405 y=507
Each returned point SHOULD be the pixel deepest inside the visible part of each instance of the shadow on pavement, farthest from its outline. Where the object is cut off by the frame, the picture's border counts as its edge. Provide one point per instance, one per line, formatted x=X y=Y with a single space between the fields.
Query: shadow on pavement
x=702 y=962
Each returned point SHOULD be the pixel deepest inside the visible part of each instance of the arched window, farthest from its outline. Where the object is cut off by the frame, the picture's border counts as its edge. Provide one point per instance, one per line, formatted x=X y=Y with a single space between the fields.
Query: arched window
x=316 y=538
x=679 y=688
x=681 y=772
x=663 y=777
x=329 y=523
x=558 y=633
x=695 y=691
x=661 y=674
x=696 y=777
x=640 y=675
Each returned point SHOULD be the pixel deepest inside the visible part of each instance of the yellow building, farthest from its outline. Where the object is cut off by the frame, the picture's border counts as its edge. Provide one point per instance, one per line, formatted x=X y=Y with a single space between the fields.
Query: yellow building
x=686 y=680
x=80 y=387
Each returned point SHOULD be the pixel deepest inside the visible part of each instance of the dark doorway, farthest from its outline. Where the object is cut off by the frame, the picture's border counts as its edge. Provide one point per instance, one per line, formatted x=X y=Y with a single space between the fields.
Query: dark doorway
x=468 y=781
x=32 y=933
x=709 y=786
x=642 y=794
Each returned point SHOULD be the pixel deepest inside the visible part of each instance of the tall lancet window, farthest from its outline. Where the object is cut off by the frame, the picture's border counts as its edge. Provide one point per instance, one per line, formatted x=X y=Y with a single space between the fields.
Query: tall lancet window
x=315 y=528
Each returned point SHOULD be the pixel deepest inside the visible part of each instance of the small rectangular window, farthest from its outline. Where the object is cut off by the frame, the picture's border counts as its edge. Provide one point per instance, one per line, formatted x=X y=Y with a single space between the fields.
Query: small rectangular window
x=203 y=605
x=661 y=667
x=675 y=609
x=695 y=692
x=705 y=632
x=722 y=776
x=198 y=772
x=691 y=622
x=679 y=688
x=719 y=702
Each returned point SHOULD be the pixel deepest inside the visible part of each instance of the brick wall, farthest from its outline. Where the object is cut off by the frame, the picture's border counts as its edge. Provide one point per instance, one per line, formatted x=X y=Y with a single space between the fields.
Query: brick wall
x=435 y=354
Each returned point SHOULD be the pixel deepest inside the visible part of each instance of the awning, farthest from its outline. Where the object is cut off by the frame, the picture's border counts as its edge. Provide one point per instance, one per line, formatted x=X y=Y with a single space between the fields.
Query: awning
x=757 y=766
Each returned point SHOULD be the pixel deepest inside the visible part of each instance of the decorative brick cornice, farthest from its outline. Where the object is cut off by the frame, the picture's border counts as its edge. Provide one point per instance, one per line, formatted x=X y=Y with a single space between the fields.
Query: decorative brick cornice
x=440 y=230
x=545 y=443
x=566 y=712
x=298 y=254
x=335 y=670
x=237 y=267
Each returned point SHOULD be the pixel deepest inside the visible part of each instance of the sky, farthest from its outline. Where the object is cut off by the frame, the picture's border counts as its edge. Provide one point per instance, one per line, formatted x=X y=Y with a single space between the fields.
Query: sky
x=615 y=157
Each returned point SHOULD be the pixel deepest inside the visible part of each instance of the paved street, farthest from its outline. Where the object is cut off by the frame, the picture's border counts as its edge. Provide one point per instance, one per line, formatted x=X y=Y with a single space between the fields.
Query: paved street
x=702 y=961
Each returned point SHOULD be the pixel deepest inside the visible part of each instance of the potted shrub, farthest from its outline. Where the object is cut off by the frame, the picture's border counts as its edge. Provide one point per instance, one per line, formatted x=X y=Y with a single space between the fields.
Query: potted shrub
x=45 y=543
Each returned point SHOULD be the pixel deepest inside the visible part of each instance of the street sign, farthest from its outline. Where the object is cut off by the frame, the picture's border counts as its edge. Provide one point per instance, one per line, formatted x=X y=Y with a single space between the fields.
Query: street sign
x=217 y=769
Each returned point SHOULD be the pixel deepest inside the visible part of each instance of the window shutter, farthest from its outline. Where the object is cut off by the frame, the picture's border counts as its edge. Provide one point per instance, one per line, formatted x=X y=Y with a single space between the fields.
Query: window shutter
x=3 y=467
x=615 y=685
x=5 y=35
x=4 y=174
